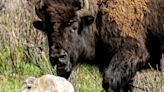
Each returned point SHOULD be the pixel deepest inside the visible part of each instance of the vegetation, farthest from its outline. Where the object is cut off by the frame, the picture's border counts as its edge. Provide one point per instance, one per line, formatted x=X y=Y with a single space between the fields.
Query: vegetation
x=24 y=53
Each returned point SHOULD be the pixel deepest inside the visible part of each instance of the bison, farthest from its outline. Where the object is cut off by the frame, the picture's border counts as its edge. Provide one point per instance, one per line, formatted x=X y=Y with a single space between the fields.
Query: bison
x=119 y=36
x=47 y=83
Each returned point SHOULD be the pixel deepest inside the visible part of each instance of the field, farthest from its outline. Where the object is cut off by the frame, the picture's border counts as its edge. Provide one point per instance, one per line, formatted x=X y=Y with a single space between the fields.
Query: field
x=24 y=53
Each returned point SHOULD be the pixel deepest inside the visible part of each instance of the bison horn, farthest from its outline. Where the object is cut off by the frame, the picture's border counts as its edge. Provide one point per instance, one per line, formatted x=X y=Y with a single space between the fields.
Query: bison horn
x=38 y=9
x=83 y=11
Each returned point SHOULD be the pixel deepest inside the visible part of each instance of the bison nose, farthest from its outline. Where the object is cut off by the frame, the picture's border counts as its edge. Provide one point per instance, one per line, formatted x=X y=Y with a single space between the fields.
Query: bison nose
x=63 y=57
x=59 y=56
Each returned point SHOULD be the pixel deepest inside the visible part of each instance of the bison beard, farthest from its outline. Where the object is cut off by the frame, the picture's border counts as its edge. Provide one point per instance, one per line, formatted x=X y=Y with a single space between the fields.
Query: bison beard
x=120 y=36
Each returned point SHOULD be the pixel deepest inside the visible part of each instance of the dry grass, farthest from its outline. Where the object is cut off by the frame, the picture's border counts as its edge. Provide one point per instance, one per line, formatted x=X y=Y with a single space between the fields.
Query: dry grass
x=24 y=52
x=148 y=81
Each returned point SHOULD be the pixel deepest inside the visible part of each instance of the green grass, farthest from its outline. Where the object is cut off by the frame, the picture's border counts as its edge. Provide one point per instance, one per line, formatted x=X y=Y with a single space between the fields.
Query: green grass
x=86 y=79
x=11 y=81
x=24 y=53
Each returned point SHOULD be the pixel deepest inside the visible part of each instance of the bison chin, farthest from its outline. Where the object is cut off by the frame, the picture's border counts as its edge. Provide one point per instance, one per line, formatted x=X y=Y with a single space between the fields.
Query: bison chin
x=61 y=59
x=63 y=66
x=64 y=71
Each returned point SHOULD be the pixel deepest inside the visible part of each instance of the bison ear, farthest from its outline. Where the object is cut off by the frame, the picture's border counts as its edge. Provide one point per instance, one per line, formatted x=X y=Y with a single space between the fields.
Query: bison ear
x=40 y=25
x=87 y=20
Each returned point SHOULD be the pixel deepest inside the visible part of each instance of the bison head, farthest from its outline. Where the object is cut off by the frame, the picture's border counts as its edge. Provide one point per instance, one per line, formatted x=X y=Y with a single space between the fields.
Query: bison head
x=66 y=24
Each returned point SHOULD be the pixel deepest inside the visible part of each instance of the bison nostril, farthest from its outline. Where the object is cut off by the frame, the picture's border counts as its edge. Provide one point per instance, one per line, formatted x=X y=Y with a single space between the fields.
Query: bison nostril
x=62 y=56
x=63 y=59
x=59 y=56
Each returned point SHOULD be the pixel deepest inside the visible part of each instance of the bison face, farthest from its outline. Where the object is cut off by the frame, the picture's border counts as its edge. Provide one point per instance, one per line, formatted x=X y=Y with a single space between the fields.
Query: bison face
x=67 y=36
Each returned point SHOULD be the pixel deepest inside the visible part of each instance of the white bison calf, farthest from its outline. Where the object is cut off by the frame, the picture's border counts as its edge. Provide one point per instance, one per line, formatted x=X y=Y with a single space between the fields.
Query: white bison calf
x=47 y=83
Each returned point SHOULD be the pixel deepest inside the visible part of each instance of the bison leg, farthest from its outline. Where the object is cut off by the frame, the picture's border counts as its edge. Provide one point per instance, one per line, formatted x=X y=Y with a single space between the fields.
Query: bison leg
x=122 y=68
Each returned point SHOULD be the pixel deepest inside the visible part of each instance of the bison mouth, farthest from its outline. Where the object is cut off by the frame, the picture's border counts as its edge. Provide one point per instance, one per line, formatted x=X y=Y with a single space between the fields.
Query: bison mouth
x=64 y=70
x=62 y=64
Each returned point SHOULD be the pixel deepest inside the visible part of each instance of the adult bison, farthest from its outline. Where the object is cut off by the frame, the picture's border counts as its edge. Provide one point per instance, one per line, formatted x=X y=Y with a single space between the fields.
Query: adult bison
x=119 y=36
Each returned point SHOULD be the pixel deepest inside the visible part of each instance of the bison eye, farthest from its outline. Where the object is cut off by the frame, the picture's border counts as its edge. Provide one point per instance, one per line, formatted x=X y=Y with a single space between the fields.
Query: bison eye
x=69 y=23
x=74 y=29
x=28 y=87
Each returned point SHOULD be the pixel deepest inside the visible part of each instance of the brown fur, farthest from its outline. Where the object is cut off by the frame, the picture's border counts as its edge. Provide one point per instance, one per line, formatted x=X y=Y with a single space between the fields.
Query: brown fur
x=124 y=37
x=133 y=18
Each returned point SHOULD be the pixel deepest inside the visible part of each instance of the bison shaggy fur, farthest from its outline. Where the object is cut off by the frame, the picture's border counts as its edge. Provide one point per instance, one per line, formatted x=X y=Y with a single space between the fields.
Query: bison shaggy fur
x=119 y=36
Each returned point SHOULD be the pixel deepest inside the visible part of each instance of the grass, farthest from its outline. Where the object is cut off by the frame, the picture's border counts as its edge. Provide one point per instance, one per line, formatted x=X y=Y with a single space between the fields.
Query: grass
x=24 y=53
x=88 y=79
x=11 y=81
